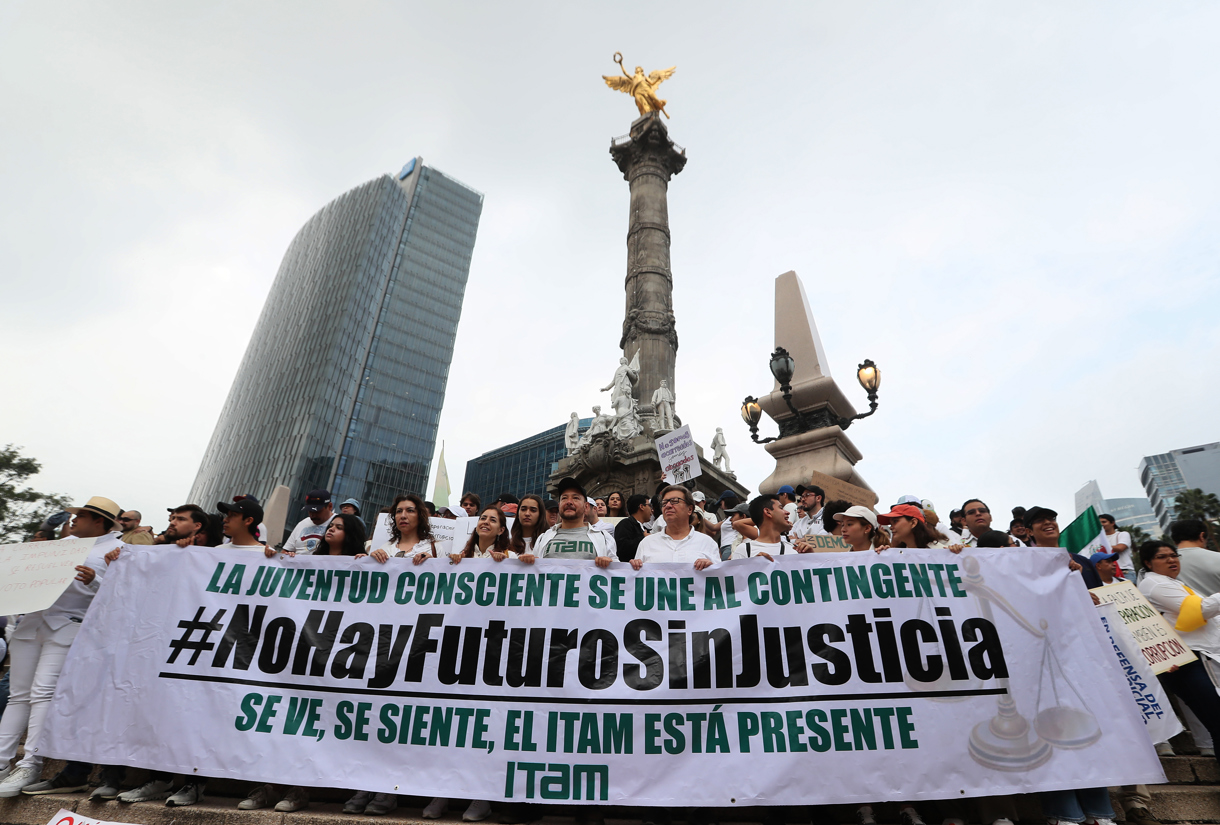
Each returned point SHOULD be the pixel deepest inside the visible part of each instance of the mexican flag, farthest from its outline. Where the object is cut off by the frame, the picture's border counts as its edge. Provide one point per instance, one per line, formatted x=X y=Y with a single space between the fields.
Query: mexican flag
x=1085 y=536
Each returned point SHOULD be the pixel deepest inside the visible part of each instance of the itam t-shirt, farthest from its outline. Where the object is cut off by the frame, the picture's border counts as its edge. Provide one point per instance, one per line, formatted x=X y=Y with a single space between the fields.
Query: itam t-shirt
x=571 y=544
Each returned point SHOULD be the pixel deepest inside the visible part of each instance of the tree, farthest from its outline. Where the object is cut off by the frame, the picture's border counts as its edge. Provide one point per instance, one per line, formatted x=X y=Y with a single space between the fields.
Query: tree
x=22 y=509
x=1196 y=504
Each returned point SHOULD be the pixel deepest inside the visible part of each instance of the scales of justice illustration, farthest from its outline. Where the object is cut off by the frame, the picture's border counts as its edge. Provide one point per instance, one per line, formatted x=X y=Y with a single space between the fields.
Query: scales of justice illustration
x=1008 y=741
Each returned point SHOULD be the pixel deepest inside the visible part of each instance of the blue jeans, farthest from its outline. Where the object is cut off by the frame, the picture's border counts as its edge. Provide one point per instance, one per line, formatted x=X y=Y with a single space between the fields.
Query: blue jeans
x=1076 y=806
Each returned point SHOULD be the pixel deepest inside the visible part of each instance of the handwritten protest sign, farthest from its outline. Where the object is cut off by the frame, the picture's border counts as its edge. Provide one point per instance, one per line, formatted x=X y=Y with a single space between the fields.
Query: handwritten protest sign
x=679 y=458
x=1157 y=640
x=828 y=544
x=33 y=575
x=66 y=817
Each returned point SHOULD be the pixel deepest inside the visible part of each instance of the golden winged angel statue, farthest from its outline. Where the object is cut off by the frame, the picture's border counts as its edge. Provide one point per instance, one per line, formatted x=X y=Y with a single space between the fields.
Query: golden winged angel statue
x=640 y=86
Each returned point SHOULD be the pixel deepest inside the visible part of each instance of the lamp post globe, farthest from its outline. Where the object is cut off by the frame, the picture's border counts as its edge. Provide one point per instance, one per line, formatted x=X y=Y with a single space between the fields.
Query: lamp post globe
x=782 y=366
x=869 y=376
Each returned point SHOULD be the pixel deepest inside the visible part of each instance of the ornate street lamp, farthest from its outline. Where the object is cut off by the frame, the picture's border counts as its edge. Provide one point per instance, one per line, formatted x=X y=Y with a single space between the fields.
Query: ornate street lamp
x=783 y=367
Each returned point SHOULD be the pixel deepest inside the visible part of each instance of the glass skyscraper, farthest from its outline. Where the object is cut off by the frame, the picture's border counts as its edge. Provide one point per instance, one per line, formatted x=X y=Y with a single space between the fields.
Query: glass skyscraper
x=343 y=380
x=1167 y=474
x=520 y=468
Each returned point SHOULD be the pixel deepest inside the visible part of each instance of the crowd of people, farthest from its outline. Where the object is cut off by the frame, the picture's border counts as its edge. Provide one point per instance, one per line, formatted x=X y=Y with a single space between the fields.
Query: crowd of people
x=1178 y=575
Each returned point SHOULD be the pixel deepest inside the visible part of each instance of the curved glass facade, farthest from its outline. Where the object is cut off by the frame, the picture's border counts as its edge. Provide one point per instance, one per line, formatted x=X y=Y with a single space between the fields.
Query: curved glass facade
x=343 y=380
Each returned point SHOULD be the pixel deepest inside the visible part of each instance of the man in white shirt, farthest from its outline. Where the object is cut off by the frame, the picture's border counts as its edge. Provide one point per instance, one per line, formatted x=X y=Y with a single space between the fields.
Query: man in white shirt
x=1120 y=542
x=976 y=519
x=309 y=530
x=572 y=537
x=242 y=518
x=810 y=524
x=678 y=542
x=39 y=647
x=772 y=522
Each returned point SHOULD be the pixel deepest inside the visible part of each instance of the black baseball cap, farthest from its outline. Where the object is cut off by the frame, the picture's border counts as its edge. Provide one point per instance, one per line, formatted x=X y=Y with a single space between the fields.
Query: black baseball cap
x=508 y=498
x=316 y=500
x=1038 y=514
x=551 y=505
x=248 y=508
x=569 y=483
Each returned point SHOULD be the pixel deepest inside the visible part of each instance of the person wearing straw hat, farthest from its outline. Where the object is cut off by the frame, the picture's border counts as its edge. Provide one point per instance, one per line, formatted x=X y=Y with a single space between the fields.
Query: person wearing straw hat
x=39 y=646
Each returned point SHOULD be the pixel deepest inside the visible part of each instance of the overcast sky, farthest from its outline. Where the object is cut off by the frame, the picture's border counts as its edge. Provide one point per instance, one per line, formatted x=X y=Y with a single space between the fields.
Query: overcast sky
x=1011 y=207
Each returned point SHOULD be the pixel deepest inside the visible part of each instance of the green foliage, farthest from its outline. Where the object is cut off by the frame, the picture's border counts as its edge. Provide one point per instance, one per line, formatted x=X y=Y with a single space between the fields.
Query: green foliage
x=22 y=509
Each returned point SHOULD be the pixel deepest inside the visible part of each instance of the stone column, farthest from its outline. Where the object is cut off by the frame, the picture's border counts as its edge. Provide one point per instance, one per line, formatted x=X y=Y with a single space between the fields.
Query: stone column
x=648 y=159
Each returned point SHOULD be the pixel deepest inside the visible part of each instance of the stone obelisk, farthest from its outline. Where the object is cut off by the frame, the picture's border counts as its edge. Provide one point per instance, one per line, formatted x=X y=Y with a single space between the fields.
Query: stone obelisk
x=648 y=159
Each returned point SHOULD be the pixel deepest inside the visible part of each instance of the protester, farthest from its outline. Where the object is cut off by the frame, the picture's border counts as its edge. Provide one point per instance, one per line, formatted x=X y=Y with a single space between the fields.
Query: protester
x=678 y=542
x=593 y=519
x=38 y=648
x=343 y=537
x=859 y=526
x=976 y=518
x=812 y=500
x=992 y=538
x=410 y=532
x=471 y=503
x=1120 y=542
x=831 y=524
x=786 y=495
x=616 y=506
x=308 y=532
x=1200 y=566
x=1106 y=565
x=552 y=512
x=185 y=523
x=572 y=537
x=629 y=532
x=1044 y=530
x=600 y=506
x=352 y=508
x=728 y=536
x=529 y=524
x=241 y=519
x=955 y=521
x=1194 y=617
x=488 y=540
x=772 y=522
x=910 y=530
x=133 y=531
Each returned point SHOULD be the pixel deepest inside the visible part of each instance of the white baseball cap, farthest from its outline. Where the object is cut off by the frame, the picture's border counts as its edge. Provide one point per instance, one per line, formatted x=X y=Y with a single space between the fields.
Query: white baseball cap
x=856 y=511
x=698 y=496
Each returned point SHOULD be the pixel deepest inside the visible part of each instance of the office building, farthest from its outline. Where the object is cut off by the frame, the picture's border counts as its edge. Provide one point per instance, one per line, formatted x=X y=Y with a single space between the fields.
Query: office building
x=1127 y=512
x=343 y=380
x=519 y=468
x=1166 y=475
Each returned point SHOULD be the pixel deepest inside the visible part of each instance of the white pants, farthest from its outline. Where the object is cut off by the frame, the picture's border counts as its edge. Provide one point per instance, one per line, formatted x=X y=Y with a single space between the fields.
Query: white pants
x=38 y=656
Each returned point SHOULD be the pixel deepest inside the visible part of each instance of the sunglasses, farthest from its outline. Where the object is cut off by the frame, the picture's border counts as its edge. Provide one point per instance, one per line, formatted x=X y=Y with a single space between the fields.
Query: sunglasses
x=977 y=511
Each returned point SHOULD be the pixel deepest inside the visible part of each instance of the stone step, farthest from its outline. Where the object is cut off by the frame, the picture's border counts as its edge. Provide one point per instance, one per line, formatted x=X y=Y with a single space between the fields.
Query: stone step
x=1186 y=803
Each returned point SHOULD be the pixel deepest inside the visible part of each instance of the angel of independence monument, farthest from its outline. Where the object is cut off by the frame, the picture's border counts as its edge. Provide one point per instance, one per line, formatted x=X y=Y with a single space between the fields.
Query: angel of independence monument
x=618 y=451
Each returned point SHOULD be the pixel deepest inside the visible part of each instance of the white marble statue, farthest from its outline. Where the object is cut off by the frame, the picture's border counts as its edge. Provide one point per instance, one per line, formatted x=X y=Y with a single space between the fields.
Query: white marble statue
x=571 y=435
x=719 y=453
x=622 y=388
x=601 y=424
x=663 y=403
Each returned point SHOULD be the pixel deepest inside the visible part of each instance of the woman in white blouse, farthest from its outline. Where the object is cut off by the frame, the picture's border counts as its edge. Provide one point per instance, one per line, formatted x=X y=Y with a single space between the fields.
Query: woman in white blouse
x=1194 y=616
x=410 y=533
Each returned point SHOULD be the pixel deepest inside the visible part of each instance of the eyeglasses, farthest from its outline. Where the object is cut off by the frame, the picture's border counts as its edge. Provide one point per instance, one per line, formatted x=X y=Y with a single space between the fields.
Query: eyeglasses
x=675 y=501
x=977 y=511
x=1166 y=556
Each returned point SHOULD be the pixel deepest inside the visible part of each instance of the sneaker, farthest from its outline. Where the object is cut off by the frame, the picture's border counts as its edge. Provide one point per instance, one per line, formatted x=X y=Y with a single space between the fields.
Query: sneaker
x=57 y=784
x=152 y=790
x=357 y=803
x=1140 y=815
x=188 y=794
x=1164 y=749
x=297 y=799
x=1100 y=820
x=258 y=799
x=1002 y=821
x=18 y=780
x=864 y=815
x=382 y=803
x=436 y=808
x=909 y=816
x=478 y=811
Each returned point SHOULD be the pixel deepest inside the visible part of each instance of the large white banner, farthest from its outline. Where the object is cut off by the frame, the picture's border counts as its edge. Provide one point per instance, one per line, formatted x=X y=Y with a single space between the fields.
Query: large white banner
x=827 y=677
x=34 y=575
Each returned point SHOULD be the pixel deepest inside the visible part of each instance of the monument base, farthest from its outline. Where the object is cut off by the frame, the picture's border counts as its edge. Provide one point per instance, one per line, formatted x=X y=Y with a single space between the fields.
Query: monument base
x=825 y=457
x=608 y=465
